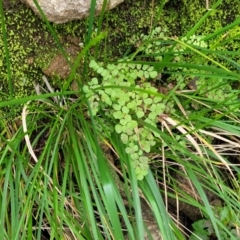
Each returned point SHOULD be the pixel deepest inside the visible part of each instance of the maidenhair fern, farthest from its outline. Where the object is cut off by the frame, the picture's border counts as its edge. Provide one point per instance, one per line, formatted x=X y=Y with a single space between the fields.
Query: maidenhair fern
x=159 y=46
x=129 y=109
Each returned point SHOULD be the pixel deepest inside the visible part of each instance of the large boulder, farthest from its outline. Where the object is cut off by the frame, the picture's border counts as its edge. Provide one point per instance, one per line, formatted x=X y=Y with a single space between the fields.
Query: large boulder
x=61 y=11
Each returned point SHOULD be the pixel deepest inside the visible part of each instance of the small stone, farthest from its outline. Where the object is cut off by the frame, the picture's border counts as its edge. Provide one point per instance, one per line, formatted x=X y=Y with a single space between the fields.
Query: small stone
x=61 y=11
x=58 y=67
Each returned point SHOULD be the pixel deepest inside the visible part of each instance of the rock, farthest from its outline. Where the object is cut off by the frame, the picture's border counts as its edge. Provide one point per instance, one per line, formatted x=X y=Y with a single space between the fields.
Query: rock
x=59 y=66
x=61 y=11
x=150 y=223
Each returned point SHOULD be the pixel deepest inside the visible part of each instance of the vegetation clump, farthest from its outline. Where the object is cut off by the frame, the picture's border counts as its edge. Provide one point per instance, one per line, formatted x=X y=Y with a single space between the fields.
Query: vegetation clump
x=203 y=228
x=169 y=113
x=134 y=103
x=131 y=104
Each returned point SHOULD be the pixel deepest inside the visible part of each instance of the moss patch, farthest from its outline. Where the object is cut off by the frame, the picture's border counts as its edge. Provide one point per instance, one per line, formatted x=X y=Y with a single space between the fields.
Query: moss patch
x=190 y=12
x=26 y=34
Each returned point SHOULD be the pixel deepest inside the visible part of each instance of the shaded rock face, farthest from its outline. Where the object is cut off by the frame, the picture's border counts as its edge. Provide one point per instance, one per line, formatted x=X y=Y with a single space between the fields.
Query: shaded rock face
x=61 y=11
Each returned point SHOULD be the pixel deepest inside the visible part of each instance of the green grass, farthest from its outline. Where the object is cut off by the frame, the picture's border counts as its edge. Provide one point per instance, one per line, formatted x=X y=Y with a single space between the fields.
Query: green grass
x=57 y=161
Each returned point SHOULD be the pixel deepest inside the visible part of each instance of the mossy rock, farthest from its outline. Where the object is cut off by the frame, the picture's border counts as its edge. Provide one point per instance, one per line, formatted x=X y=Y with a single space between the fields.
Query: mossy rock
x=32 y=47
x=187 y=13
x=26 y=35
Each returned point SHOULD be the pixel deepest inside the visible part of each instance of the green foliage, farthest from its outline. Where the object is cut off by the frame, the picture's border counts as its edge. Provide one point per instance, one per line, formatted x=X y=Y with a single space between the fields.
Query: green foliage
x=37 y=195
x=122 y=93
x=186 y=52
x=129 y=104
x=203 y=228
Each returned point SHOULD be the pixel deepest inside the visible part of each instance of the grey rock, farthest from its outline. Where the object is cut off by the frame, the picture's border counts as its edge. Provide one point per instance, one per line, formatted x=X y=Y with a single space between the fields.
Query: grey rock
x=61 y=11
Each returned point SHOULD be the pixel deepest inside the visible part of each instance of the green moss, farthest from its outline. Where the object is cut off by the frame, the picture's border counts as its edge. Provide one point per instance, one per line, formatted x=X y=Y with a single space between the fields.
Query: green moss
x=188 y=13
x=121 y=23
x=23 y=38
